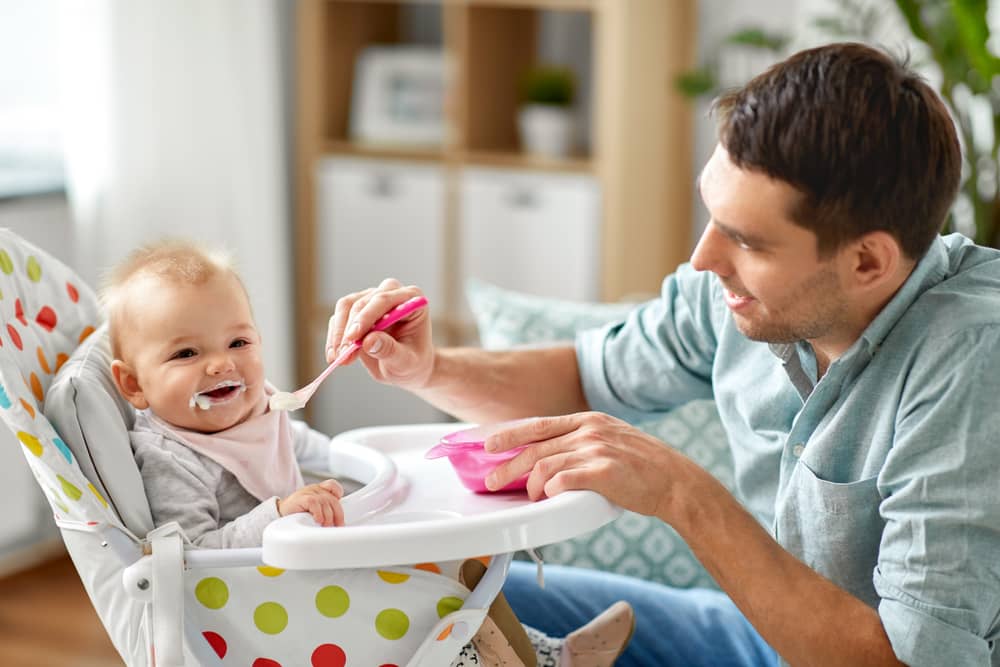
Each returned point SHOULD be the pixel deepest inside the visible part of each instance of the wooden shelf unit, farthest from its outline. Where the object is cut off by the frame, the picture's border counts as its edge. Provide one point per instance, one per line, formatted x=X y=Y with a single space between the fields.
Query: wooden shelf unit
x=640 y=133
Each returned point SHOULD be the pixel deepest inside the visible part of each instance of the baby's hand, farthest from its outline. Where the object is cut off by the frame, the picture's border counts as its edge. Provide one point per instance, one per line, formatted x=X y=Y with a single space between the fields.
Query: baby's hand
x=321 y=500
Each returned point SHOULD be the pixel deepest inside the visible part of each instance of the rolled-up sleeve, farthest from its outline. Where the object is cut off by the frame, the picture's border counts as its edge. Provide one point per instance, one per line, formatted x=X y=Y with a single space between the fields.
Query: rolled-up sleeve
x=659 y=357
x=938 y=573
x=921 y=638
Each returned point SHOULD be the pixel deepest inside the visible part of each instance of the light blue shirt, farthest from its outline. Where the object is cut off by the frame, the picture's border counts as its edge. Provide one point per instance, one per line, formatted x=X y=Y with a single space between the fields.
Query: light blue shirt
x=882 y=476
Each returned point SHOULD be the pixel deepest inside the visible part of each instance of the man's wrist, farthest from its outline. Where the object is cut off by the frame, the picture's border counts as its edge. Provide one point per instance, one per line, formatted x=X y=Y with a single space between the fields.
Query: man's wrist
x=691 y=497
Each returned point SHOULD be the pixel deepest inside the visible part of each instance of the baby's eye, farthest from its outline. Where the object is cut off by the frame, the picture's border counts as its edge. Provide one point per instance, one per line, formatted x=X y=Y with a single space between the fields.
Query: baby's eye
x=239 y=342
x=186 y=353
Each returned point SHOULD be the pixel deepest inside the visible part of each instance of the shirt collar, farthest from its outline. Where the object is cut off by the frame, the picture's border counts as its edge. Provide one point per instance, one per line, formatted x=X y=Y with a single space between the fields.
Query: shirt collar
x=929 y=271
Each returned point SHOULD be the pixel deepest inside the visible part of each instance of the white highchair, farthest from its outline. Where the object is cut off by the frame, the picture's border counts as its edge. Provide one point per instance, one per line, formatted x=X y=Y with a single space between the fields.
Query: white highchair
x=381 y=591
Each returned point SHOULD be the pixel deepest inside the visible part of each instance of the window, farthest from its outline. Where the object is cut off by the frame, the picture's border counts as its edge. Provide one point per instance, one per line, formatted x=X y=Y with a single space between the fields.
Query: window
x=31 y=157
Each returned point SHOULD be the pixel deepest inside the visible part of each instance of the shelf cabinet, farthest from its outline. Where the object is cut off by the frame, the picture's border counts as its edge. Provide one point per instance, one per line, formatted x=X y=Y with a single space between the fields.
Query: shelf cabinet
x=534 y=233
x=380 y=219
x=606 y=222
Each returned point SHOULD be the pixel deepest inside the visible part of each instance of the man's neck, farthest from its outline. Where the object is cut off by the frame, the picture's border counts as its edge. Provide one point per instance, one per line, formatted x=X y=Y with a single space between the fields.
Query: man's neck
x=831 y=348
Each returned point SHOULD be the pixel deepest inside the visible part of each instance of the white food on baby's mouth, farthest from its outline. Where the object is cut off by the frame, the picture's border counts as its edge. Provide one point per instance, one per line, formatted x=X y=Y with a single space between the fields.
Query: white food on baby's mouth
x=285 y=400
x=205 y=402
x=201 y=401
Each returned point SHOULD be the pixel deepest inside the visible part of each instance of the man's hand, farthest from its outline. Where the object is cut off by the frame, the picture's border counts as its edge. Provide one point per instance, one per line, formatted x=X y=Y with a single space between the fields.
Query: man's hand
x=321 y=500
x=591 y=450
x=402 y=355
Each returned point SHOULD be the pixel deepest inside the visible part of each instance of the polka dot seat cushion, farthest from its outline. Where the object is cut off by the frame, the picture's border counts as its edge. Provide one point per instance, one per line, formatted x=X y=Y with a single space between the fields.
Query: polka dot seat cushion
x=267 y=617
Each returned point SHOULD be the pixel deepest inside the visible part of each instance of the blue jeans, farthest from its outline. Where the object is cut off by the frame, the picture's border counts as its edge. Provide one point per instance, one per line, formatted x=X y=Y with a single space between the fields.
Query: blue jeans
x=673 y=627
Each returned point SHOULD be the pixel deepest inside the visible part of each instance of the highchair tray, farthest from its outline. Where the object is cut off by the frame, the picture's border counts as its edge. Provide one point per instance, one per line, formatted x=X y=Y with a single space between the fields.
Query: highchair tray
x=413 y=510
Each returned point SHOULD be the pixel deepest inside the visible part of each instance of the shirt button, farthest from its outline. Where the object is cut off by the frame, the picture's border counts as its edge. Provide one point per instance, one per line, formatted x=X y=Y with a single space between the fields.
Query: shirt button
x=798 y=449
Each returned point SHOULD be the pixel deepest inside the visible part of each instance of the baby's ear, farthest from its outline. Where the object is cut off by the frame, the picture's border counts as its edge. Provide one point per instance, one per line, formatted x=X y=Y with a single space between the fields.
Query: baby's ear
x=128 y=384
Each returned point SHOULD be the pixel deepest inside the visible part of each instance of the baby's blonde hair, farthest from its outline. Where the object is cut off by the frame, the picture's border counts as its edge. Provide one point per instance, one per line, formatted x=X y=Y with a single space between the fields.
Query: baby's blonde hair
x=174 y=261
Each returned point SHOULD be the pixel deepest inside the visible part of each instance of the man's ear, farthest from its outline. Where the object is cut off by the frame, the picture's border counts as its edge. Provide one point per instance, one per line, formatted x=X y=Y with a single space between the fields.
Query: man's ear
x=875 y=258
x=128 y=384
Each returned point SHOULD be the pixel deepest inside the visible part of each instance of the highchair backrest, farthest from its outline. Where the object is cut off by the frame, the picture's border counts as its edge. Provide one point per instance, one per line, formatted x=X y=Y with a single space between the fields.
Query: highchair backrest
x=46 y=311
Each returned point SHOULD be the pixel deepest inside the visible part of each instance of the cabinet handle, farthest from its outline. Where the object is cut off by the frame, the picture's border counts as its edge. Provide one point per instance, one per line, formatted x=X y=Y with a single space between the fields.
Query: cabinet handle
x=383 y=186
x=522 y=198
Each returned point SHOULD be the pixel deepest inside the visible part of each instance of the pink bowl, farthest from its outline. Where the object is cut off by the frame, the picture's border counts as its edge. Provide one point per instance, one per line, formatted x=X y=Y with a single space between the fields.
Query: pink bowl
x=471 y=462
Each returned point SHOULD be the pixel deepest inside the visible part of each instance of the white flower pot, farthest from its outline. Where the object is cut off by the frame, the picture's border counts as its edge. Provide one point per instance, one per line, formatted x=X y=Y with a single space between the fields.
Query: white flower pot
x=546 y=130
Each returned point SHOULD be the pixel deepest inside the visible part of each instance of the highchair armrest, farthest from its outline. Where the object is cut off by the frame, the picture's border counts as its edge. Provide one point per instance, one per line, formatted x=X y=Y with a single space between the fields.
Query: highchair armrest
x=456 y=629
x=137 y=577
x=489 y=586
x=157 y=578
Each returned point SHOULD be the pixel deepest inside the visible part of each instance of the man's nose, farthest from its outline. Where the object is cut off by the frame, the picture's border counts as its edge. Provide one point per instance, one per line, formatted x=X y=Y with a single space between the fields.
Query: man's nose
x=710 y=253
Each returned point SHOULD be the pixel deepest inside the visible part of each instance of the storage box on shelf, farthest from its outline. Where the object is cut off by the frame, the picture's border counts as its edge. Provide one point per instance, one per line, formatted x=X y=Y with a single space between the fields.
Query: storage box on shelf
x=609 y=220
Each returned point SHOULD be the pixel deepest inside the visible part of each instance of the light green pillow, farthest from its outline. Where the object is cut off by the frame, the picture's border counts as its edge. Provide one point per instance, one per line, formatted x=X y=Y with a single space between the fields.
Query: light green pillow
x=635 y=545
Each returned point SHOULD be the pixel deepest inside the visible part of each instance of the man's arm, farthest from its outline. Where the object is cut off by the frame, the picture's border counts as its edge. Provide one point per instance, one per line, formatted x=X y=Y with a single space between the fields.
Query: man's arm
x=805 y=617
x=471 y=384
x=486 y=386
x=801 y=614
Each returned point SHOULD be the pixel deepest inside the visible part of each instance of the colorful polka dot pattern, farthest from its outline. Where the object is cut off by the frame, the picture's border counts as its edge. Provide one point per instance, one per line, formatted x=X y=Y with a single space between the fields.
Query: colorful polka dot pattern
x=267 y=617
x=45 y=311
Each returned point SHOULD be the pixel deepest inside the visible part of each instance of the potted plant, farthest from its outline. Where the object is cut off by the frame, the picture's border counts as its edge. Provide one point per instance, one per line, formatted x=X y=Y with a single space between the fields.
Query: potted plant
x=956 y=38
x=545 y=119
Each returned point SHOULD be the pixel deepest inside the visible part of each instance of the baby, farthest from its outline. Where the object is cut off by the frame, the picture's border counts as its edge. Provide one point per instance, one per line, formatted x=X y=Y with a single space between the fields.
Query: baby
x=215 y=459
x=187 y=355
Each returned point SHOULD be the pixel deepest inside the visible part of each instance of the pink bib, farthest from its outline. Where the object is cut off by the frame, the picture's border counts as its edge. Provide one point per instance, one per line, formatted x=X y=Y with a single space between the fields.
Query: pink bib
x=259 y=452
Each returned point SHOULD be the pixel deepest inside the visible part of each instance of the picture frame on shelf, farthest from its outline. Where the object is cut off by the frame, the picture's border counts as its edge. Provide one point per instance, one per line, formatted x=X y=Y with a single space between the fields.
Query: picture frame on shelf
x=398 y=96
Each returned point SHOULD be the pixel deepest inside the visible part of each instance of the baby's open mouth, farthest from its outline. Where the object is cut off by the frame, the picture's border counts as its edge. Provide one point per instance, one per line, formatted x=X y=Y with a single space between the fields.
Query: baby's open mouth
x=220 y=393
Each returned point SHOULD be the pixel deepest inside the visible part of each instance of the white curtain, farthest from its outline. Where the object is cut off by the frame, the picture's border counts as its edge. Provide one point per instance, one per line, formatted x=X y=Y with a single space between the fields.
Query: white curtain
x=175 y=128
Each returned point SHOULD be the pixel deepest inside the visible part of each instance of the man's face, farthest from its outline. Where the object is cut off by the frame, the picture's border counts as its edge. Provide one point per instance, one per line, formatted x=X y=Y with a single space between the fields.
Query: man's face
x=191 y=344
x=777 y=288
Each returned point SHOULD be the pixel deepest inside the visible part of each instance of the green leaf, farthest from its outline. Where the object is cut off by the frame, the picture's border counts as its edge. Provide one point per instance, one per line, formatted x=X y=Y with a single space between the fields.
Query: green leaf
x=831 y=25
x=910 y=9
x=758 y=38
x=548 y=85
x=972 y=32
x=697 y=82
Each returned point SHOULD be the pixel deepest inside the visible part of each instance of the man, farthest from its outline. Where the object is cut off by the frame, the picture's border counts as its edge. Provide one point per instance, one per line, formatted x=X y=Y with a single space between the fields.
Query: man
x=853 y=356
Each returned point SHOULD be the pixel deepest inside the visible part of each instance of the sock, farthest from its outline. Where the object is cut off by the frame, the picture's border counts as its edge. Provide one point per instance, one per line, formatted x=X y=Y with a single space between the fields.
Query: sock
x=602 y=640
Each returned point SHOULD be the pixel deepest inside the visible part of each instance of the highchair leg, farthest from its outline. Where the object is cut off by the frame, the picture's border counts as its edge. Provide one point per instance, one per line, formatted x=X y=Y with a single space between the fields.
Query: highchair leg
x=501 y=640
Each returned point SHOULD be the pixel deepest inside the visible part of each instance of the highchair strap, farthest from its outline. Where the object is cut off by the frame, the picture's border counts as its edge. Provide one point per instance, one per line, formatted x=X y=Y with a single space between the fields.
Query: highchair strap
x=168 y=594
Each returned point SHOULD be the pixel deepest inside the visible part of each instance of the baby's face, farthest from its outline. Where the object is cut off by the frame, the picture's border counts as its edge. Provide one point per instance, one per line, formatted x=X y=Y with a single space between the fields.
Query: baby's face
x=195 y=352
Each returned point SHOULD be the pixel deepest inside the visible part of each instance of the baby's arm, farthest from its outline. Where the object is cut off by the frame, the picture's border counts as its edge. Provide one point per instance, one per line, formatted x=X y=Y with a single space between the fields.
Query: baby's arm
x=180 y=488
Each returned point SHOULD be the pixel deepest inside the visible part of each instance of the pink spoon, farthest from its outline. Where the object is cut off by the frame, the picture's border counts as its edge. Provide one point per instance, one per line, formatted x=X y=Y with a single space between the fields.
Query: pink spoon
x=294 y=400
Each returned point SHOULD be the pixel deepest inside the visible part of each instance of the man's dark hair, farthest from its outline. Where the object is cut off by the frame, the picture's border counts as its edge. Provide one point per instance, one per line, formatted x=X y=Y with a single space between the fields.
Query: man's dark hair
x=865 y=140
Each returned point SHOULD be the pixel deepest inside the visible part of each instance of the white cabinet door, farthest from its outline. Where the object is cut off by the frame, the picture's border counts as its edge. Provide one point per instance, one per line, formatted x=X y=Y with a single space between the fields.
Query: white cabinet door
x=380 y=219
x=376 y=219
x=531 y=232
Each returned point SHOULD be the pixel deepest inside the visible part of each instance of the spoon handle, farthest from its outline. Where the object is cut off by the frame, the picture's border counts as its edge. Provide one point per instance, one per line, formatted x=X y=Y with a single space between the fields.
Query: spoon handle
x=383 y=323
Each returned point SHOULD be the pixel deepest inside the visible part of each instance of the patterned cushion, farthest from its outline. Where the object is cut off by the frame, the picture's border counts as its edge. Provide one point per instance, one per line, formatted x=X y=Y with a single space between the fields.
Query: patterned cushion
x=46 y=311
x=636 y=545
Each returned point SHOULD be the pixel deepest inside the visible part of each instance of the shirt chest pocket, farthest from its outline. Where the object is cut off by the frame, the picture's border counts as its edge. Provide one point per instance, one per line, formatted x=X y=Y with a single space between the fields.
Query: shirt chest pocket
x=834 y=528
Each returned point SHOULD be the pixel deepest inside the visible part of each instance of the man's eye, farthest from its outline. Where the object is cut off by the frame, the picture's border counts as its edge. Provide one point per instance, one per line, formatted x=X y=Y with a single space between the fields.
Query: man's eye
x=186 y=353
x=239 y=342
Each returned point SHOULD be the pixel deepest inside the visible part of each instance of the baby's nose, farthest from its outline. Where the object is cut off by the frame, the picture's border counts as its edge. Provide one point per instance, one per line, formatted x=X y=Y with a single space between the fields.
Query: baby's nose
x=220 y=363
